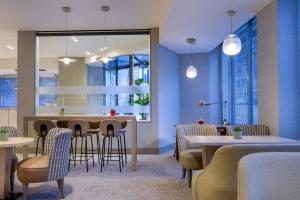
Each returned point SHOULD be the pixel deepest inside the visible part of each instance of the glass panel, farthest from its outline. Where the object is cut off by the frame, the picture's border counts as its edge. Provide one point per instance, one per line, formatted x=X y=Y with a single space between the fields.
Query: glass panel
x=88 y=85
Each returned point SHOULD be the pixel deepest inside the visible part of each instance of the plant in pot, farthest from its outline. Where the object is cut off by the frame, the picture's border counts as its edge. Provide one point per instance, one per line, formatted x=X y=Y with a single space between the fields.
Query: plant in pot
x=237 y=133
x=3 y=134
x=142 y=99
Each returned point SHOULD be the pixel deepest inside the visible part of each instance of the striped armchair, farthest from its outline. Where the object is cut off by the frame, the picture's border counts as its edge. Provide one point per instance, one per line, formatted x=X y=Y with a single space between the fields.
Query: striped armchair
x=190 y=157
x=250 y=129
x=12 y=132
x=51 y=167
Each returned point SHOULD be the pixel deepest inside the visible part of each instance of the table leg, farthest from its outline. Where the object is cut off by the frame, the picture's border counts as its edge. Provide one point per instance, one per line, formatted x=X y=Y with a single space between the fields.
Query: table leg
x=25 y=134
x=5 y=166
x=133 y=145
x=207 y=154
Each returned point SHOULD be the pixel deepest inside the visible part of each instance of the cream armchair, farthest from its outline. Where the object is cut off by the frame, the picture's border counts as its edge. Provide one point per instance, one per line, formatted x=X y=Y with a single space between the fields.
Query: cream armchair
x=190 y=157
x=276 y=176
x=250 y=129
x=219 y=180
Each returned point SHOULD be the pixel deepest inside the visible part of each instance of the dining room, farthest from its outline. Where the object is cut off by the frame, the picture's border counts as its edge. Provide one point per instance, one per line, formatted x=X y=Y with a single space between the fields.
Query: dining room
x=161 y=103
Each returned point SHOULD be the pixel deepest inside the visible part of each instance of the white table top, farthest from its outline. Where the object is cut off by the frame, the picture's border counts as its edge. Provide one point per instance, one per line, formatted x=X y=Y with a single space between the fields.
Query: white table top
x=16 y=141
x=227 y=140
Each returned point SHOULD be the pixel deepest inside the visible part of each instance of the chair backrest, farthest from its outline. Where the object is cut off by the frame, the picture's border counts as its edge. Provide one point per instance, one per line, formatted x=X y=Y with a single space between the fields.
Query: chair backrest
x=276 y=176
x=62 y=124
x=193 y=130
x=110 y=127
x=94 y=125
x=79 y=127
x=219 y=179
x=42 y=127
x=250 y=129
x=58 y=143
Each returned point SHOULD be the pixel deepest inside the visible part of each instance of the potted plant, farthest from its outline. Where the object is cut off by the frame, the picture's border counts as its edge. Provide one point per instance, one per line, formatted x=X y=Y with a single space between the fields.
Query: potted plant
x=142 y=99
x=237 y=133
x=3 y=134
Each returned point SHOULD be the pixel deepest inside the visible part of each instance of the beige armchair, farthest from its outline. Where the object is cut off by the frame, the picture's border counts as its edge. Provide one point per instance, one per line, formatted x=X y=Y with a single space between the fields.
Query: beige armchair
x=190 y=157
x=51 y=167
x=276 y=176
x=219 y=180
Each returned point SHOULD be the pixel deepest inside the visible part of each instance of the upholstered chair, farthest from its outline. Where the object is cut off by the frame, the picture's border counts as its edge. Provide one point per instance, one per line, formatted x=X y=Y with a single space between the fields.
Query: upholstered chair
x=250 y=129
x=12 y=132
x=276 y=176
x=81 y=130
x=42 y=128
x=219 y=179
x=53 y=166
x=190 y=156
x=111 y=129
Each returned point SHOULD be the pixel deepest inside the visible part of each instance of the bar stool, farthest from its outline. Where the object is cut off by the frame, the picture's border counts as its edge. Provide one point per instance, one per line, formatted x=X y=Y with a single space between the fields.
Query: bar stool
x=80 y=129
x=42 y=127
x=111 y=129
x=94 y=129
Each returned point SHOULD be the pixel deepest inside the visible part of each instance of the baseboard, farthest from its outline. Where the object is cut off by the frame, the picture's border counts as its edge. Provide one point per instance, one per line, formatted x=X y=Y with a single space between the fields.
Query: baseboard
x=31 y=150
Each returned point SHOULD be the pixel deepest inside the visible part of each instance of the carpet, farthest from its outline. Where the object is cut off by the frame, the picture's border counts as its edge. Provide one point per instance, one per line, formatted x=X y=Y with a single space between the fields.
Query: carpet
x=158 y=177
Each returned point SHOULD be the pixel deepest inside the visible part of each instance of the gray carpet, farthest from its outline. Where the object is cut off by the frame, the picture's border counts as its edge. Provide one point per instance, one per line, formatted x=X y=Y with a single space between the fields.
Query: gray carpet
x=158 y=178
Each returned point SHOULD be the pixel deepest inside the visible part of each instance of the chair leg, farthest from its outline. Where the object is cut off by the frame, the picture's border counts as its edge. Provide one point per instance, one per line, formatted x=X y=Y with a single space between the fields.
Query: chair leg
x=190 y=174
x=124 y=140
x=60 y=183
x=120 y=137
x=43 y=145
x=12 y=181
x=98 y=147
x=75 y=151
x=25 y=191
x=37 y=146
x=92 y=150
x=86 y=156
x=119 y=154
x=183 y=173
x=81 y=149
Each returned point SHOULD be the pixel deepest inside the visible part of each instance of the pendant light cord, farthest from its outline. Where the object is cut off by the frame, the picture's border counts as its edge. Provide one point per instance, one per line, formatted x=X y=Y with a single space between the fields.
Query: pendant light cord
x=105 y=42
x=231 y=25
x=66 y=35
x=191 y=55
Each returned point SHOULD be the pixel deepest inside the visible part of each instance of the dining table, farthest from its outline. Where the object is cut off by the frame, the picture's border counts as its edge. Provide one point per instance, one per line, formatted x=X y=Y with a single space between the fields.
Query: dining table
x=6 y=155
x=210 y=144
x=131 y=119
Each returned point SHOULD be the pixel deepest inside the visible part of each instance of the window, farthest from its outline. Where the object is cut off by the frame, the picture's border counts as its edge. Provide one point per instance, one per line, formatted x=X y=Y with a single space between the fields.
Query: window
x=239 y=79
x=8 y=92
x=45 y=99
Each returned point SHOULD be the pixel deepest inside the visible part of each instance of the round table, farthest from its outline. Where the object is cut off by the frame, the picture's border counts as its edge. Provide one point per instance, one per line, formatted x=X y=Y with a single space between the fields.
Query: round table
x=6 y=154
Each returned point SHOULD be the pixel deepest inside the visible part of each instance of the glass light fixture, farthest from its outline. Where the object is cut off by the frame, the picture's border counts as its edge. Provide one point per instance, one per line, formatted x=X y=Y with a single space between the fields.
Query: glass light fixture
x=191 y=71
x=66 y=60
x=232 y=44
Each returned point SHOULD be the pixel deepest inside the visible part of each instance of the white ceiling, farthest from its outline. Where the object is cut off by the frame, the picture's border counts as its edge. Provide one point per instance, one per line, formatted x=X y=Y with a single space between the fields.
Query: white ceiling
x=205 y=20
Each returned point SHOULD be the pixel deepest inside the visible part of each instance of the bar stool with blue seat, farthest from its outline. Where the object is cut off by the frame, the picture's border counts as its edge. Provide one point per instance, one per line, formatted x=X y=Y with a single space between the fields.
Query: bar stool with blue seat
x=42 y=127
x=111 y=129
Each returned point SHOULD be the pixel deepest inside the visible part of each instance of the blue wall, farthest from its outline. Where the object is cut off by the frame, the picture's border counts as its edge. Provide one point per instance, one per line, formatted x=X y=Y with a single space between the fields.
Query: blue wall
x=168 y=96
x=194 y=90
x=289 y=73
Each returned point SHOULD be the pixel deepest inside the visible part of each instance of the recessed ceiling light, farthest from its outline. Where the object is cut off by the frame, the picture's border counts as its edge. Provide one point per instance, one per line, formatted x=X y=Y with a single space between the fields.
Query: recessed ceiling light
x=88 y=53
x=10 y=47
x=74 y=39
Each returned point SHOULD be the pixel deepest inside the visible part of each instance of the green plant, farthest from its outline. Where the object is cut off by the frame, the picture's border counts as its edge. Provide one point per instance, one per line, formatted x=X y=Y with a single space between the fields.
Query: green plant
x=143 y=99
x=237 y=129
x=3 y=130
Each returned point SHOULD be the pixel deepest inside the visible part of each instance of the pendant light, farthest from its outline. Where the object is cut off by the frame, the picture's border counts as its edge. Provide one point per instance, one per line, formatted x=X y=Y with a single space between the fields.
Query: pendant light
x=105 y=59
x=66 y=60
x=232 y=43
x=191 y=71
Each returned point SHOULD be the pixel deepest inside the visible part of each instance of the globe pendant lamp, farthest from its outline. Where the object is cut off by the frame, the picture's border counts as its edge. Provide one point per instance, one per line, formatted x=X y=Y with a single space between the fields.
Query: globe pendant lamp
x=66 y=60
x=191 y=71
x=232 y=43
